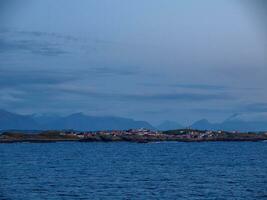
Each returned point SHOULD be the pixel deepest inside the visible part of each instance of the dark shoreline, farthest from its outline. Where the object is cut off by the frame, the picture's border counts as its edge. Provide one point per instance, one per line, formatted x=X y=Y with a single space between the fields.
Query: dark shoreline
x=137 y=136
x=75 y=141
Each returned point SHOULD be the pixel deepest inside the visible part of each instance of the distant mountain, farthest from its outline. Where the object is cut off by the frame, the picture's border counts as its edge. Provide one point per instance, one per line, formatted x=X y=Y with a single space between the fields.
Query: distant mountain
x=204 y=125
x=78 y=121
x=234 y=123
x=246 y=122
x=44 y=119
x=244 y=126
x=169 y=125
x=10 y=120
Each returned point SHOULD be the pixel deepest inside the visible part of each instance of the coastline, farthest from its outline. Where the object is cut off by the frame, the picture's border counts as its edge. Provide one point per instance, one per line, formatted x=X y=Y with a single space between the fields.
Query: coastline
x=136 y=136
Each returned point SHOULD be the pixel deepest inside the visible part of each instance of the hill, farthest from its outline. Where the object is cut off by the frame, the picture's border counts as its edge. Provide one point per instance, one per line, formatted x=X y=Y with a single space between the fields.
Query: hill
x=169 y=125
x=78 y=121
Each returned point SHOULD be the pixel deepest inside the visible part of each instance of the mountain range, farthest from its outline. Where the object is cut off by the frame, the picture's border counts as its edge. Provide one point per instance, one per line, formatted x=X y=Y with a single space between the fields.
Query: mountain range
x=77 y=121
x=80 y=121
x=232 y=124
x=169 y=125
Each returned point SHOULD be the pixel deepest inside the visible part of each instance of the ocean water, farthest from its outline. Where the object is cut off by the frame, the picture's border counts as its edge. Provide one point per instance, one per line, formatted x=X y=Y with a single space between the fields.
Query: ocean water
x=215 y=170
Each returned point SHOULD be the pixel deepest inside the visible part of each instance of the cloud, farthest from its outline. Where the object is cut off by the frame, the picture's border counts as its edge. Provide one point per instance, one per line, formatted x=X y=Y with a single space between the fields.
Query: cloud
x=256 y=107
x=40 y=34
x=195 y=86
x=62 y=37
x=124 y=71
x=51 y=43
x=30 y=46
x=10 y=97
x=6 y=5
x=31 y=77
x=19 y=78
x=179 y=97
x=258 y=10
x=68 y=95
x=213 y=110
x=249 y=117
x=249 y=109
x=157 y=111
x=259 y=7
x=200 y=86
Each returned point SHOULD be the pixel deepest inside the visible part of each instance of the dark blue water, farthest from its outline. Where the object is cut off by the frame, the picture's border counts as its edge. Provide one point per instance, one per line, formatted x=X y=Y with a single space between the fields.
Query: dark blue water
x=133 y=171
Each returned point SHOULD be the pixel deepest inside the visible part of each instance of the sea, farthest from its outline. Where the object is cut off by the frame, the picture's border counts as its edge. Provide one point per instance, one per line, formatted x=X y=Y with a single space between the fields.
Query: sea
x=164 y=170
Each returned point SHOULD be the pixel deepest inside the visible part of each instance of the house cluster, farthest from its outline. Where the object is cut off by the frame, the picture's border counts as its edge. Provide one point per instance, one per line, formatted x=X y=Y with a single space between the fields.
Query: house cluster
x=85 y=134
x=178 y=134
x=72 y=134
x=196 y=134
x=202 y=135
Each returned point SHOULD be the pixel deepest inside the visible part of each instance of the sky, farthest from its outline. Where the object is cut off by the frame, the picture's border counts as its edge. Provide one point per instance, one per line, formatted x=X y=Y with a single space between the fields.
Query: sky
x=150 y=60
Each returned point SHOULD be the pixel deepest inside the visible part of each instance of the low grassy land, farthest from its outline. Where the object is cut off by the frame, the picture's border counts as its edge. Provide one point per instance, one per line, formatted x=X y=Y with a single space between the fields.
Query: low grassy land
x=47 y=136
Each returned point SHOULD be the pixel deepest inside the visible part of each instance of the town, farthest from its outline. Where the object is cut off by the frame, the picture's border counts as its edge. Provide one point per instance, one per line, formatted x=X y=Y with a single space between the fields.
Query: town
x=132 y=135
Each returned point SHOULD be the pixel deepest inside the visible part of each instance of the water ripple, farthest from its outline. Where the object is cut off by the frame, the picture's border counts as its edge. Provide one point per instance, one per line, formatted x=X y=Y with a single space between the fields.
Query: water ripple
x=133 y=171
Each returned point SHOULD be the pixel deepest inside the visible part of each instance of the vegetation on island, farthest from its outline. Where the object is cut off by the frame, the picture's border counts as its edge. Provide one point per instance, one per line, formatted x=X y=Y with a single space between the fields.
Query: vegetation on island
x=139 y=135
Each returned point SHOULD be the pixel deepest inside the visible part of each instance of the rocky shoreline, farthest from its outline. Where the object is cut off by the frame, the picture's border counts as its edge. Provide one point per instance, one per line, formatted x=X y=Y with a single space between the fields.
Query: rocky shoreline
x=139 y=136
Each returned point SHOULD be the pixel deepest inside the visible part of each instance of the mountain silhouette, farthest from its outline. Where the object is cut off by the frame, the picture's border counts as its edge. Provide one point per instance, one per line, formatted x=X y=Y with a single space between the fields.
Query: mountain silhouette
x=10 y=120
x=169 y=125
x=234 y=123
x=83 y=122
x=77 y=121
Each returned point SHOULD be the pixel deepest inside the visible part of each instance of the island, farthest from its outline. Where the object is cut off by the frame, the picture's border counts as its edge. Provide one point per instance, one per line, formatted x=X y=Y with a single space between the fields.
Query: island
x=132 y=135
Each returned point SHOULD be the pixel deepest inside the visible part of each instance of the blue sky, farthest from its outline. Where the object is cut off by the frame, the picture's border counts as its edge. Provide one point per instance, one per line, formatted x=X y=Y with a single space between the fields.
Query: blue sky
x=153 y=60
